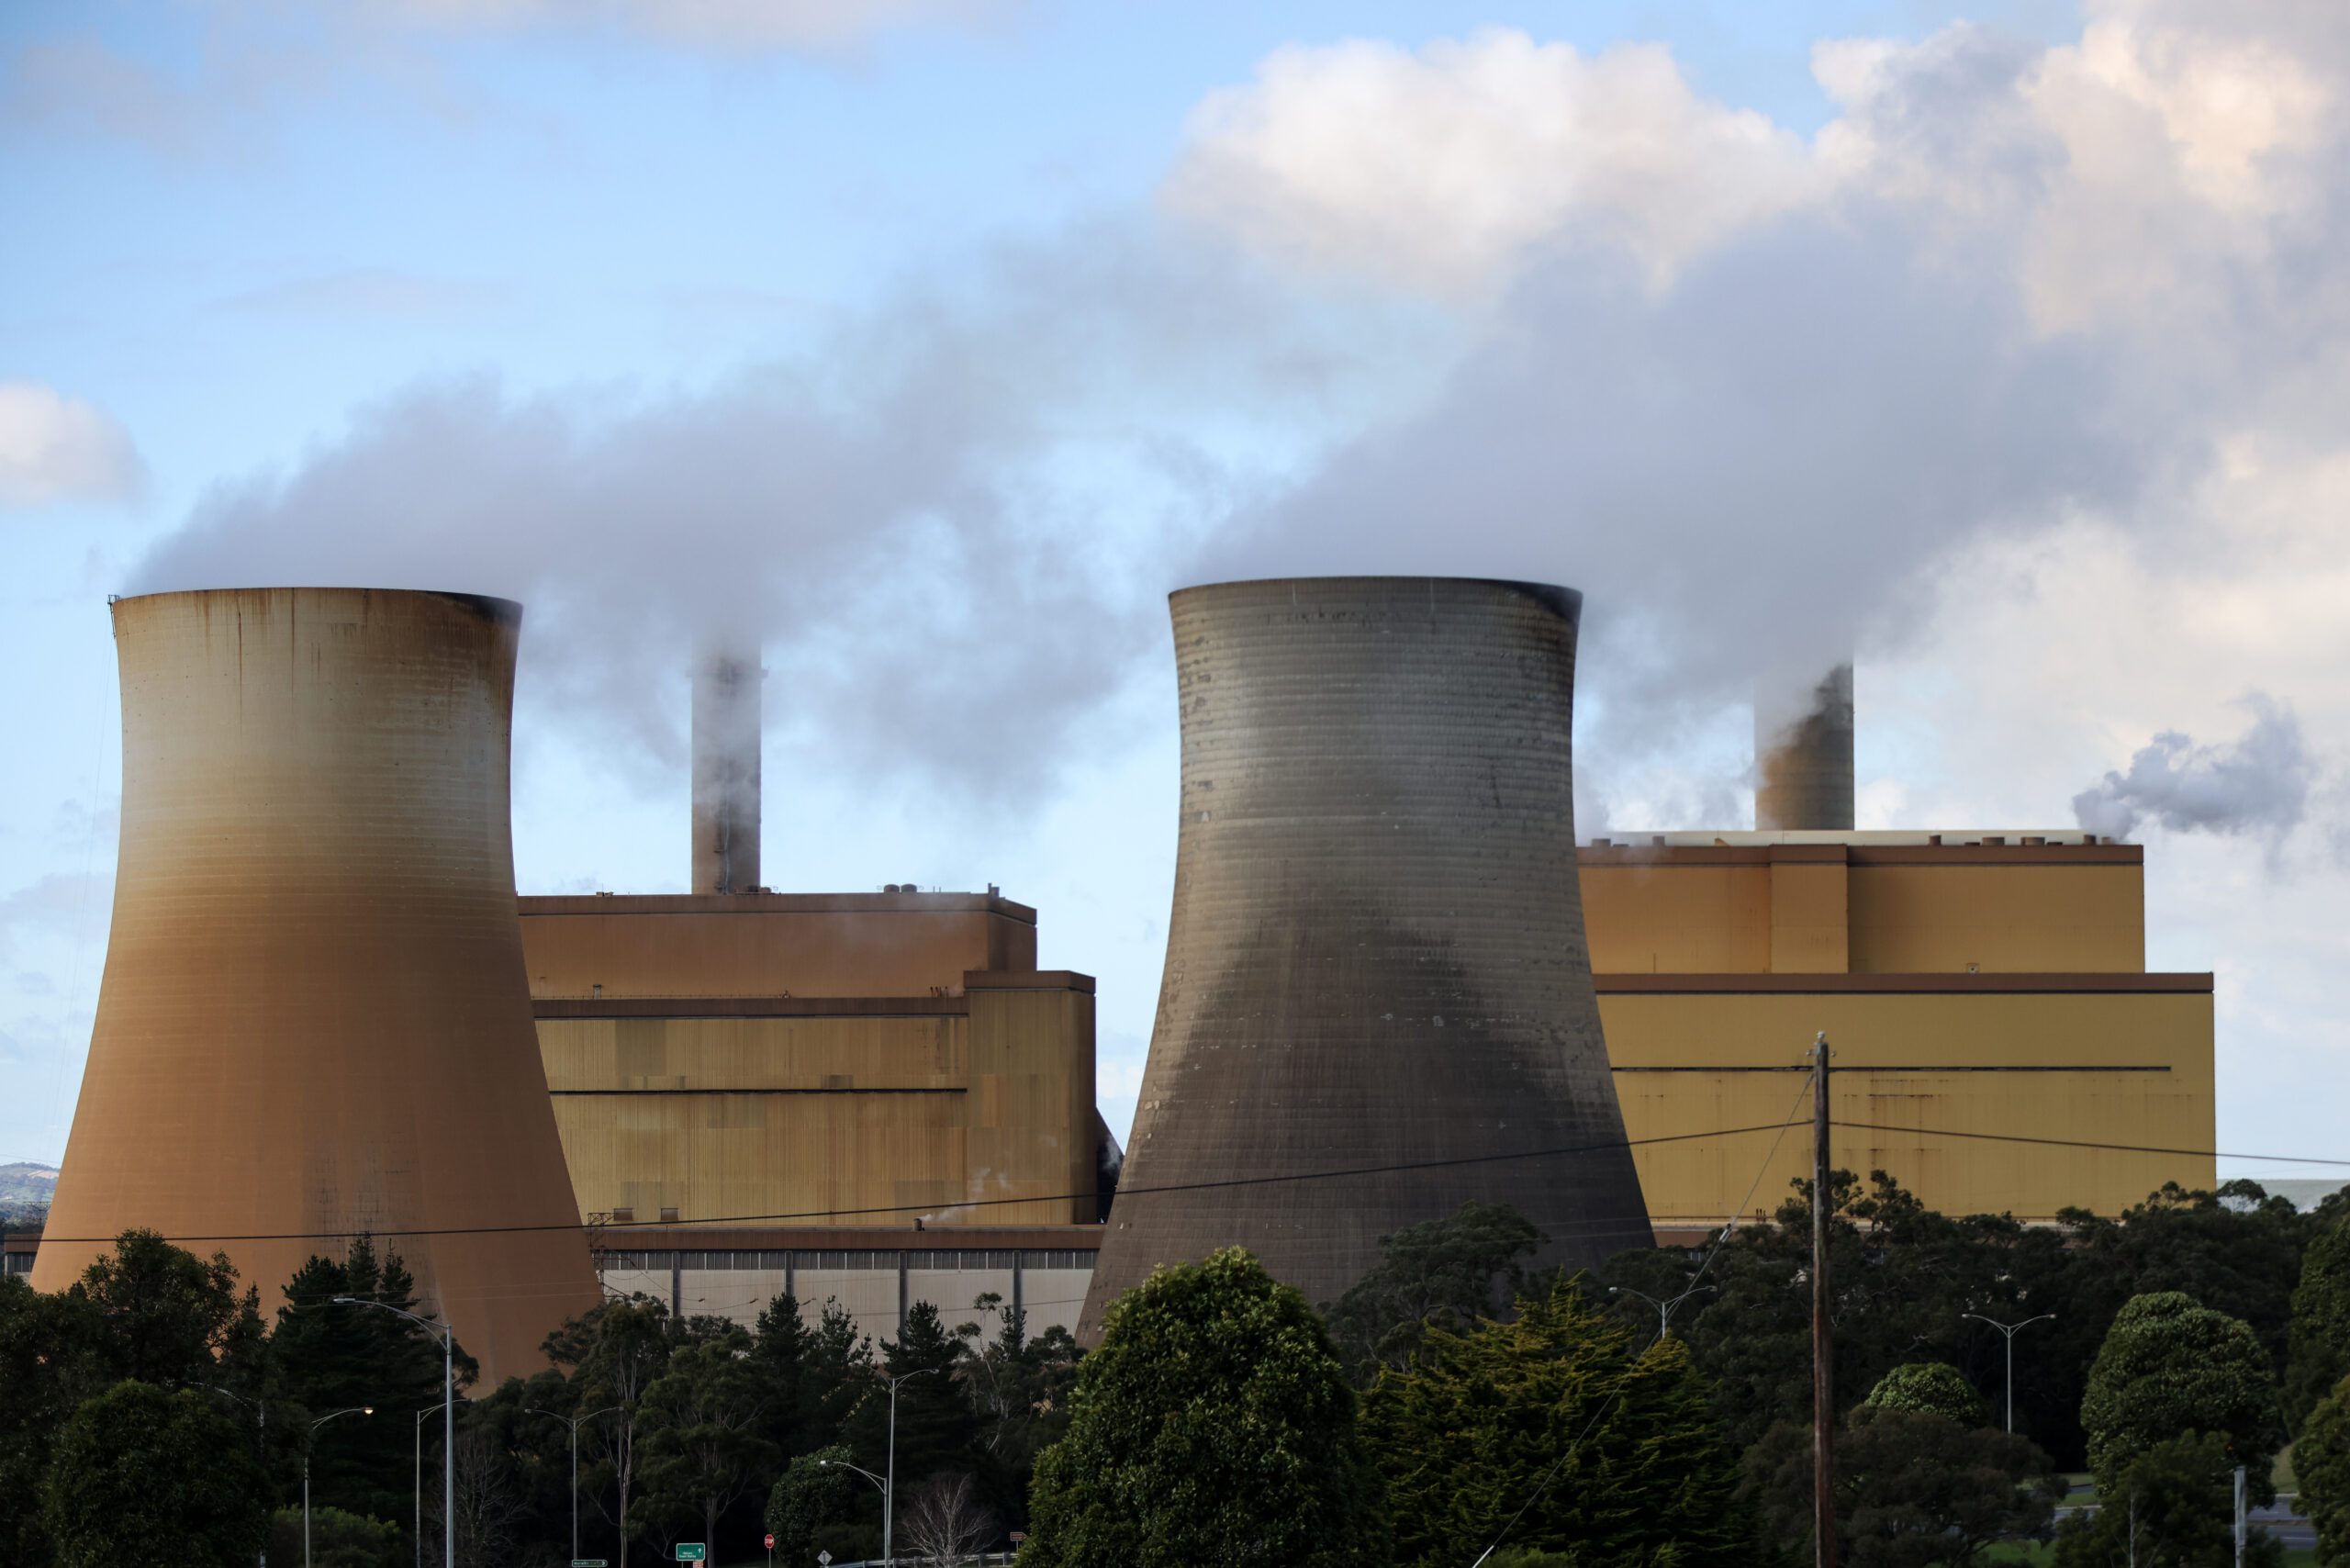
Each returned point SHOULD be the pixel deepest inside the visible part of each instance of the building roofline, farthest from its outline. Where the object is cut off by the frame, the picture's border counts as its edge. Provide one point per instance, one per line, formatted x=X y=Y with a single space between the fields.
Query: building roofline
x=540 y=905
x=2173 y=984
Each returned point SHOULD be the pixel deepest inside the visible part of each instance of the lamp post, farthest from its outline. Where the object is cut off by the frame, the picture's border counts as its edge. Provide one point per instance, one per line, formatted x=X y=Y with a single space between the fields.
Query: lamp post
x=330 y=1415
x=888 y=1483
x=448 y=1418
x=878 y=1485
x=2009 y=1330
x=1664 y=1308
x=261 y=1442
x=573 y=1422
x=889 y=1487
x=419 y=1531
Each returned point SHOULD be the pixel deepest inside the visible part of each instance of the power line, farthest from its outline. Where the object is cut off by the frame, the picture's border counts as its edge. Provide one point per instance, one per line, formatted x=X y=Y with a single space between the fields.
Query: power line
x=1560 y=1151
x=2087 y=1143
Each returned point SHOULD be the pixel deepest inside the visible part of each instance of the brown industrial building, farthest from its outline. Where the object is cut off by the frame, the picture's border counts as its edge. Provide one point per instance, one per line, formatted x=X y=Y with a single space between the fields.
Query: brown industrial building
x=1968 y=984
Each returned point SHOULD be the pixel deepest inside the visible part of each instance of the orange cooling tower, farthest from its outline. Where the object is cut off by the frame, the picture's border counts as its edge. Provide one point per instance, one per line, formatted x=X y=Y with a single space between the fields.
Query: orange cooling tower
x=315 y=1020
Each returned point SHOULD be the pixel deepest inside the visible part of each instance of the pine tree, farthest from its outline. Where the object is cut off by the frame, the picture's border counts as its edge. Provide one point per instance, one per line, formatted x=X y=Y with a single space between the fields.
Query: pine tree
x=1635 y=1471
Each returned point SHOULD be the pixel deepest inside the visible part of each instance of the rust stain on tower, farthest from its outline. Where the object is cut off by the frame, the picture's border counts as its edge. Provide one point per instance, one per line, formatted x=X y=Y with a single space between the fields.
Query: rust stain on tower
x=314 y=1019
x=1376 y=958
x=1802 y=758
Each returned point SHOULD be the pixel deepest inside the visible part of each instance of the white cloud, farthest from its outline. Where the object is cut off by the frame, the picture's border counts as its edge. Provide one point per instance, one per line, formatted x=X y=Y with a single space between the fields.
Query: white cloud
x=1443 y=168
x=54 y=448
x=2126 y=171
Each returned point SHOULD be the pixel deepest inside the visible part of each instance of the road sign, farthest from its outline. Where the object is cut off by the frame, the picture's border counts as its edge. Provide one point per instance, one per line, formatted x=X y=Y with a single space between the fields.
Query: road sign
x=589 y=1562
x=824 y=1560
x=770 y=1543
x=692 y=1550
x=1018 y=1536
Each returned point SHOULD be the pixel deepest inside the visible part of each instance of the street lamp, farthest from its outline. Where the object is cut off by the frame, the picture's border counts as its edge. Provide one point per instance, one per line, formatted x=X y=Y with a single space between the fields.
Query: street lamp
x=1664 y=1308
x=887 y=1484
x=2009 y=1330
x=261 y=1442
x=448 y=1418
x=573 y=1422
x=330 y=1415
x=417 y=1535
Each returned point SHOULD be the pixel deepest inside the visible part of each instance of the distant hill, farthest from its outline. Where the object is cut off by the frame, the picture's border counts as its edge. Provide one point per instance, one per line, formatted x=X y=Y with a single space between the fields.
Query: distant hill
x=25 y=1191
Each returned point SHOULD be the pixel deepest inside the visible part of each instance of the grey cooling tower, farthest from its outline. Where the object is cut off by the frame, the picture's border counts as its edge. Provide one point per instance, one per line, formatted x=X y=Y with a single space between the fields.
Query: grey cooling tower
x=1376 y=959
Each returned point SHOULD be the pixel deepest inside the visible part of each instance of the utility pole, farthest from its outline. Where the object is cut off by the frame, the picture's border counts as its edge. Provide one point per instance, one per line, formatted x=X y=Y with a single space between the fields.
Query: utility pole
x=1823 y=1340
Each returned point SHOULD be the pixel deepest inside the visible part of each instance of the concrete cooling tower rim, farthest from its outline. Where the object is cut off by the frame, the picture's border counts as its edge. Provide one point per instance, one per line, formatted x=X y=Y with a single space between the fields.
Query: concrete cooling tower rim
x=498 y=611
x=1565 y=601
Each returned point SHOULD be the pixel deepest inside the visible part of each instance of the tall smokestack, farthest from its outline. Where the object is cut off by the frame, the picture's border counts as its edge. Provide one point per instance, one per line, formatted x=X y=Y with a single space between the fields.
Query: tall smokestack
x=1376 y=959
x=1803 y=757
x=727 y=774
x=315 y=1020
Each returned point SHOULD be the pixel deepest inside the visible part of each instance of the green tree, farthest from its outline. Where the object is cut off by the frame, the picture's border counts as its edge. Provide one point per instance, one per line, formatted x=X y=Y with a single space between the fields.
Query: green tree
x=703 y=1448
x=1214 y=1425
x=623 y=1346
x=1019 y=1387
x=165 y=1316
x=337 y=1539
x=2171 y=1505
x=2318 y=1344
x=140 y=1471
x=2169 y=1366
x=1935 y=1387
x=1442 y=1273
x=1913 y=1488
x=937 y=1428
x=47 y=1350
x=329 y=1357
x=2321 y=1465
x=813 y=1507
x=1611 y=1447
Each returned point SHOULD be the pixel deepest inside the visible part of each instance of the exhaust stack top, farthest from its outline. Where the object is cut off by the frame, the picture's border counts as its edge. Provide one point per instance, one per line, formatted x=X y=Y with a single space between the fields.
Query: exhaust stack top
x=1802 y=757
x=727 y=774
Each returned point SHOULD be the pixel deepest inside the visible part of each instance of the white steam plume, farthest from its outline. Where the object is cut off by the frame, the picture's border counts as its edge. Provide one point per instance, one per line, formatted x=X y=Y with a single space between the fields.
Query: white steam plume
x=2258 y=784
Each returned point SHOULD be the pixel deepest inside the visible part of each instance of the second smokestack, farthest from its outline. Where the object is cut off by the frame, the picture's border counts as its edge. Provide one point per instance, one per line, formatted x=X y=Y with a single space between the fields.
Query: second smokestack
x=1802 y=757
x=727 y=774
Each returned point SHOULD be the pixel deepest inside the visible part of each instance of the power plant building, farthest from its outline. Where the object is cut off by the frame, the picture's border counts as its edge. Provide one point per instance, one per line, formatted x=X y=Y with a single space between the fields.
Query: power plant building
x=1977 y=989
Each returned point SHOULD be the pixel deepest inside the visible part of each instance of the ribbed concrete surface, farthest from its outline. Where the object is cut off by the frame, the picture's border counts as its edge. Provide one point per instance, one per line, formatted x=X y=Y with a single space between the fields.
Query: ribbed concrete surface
x=315 y=1018
x=1376 y=955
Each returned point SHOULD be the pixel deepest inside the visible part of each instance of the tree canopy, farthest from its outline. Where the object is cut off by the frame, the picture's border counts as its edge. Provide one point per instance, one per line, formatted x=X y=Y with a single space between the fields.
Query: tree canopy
x=1214 y=1426
x=1935 y=1387
x=1913 y=1488
x=2321 y=1465
x=2170 y=1365
x=1611 y=1447
x=2318 y=1344
x=1445 y=1272
x=141 y=1473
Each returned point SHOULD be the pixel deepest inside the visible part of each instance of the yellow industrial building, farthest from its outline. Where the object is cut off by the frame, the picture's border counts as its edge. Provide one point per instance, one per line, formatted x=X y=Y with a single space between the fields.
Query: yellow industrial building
x=1983 y=984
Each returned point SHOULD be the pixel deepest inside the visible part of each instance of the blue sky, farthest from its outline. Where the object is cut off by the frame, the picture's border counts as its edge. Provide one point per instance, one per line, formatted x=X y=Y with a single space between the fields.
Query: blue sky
x=1216 y=286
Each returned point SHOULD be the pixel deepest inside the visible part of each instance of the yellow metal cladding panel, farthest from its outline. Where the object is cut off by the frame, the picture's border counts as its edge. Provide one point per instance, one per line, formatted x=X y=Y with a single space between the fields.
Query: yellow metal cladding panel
x=2045 y=919
x=2121 y=1068
x=588 y=1054
x=751 y=952
x=873 y=1158
x=1809 y=919
x=1648 y=920
x=1032 y=1105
